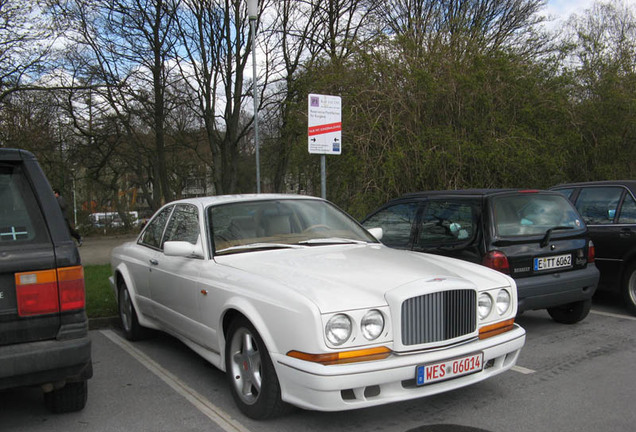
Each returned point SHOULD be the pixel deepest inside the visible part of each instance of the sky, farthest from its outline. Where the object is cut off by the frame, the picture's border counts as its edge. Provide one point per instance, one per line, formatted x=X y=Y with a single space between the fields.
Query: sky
x=562 y=9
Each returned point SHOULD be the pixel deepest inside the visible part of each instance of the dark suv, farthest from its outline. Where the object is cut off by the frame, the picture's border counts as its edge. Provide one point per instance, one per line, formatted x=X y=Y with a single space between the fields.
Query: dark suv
x=43 y=326
x=609 y=210
x=537 y=237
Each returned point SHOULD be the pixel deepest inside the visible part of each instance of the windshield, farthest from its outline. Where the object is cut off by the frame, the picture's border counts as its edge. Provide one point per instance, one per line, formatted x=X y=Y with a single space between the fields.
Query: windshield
x=259 y=225
x=534 y=214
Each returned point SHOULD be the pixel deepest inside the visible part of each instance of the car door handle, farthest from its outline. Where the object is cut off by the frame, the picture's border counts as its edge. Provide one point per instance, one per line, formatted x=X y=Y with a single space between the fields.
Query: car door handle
x=625 y=233
x=153 y=261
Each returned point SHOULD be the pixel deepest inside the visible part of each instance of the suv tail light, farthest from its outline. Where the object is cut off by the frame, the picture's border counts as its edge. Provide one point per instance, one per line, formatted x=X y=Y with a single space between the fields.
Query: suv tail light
x=497 y=260
x=50 y=291
x=591 y=252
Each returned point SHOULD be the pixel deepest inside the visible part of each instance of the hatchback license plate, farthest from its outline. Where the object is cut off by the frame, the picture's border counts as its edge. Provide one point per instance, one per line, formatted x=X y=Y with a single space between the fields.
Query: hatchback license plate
x=448 y=369
x=547 y=263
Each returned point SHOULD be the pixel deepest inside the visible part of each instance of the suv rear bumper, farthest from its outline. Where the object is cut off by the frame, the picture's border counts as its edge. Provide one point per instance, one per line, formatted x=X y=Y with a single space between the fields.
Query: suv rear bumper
x=43 y=362
x=555 y=289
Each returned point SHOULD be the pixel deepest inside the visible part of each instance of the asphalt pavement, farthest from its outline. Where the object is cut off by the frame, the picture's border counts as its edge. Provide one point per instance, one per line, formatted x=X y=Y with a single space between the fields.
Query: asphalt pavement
x=96 y=250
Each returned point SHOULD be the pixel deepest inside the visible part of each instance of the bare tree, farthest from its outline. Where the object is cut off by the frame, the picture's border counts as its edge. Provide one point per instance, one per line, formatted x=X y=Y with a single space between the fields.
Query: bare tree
x=214 y=39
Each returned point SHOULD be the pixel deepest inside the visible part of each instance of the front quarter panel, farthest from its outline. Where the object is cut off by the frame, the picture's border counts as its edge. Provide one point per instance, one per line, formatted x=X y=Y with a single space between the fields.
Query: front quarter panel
x=284 y=319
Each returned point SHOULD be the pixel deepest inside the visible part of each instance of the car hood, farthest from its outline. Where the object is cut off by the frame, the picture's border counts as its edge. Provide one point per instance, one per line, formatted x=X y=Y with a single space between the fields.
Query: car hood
x=347 y=277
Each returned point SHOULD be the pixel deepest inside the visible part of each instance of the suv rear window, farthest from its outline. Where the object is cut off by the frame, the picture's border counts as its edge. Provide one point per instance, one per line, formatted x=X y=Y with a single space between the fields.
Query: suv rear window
x=533 y=214
x=21 y=220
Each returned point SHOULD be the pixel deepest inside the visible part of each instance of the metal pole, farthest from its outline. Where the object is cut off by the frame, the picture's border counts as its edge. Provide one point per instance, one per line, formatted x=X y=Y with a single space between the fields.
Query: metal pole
x=256 y=142
x=323 y=176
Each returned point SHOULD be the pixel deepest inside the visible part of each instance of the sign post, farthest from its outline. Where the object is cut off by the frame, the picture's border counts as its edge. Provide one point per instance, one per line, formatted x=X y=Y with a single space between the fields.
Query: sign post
x=324 y=130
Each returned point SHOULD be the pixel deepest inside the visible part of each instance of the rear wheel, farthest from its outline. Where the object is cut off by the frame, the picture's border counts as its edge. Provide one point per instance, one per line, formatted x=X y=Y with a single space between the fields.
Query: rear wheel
x=570 y=313
x=129 y=322
x=71 y=397
x=250 y=372
x=629 y=288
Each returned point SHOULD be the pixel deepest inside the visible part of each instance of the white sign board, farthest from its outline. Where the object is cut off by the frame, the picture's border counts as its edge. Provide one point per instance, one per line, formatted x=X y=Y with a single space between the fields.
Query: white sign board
x=325 y=124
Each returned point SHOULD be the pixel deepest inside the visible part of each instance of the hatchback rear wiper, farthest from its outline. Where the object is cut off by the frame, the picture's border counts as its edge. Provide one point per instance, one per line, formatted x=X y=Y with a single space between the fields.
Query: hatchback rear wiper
x=548 y=234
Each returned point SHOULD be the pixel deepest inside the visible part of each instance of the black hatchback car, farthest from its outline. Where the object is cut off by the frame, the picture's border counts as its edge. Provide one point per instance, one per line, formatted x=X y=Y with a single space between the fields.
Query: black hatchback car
x=609 y=210
x=44 y=338
x=536 y=237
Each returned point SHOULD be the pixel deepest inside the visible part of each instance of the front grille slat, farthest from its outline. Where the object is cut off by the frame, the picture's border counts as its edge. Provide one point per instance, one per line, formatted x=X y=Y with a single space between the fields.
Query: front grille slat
x=438 y=316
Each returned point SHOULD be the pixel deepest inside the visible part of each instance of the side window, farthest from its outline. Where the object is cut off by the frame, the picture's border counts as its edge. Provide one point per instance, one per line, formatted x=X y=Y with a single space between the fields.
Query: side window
x=183 y=225
x=21 y=219
x=154 y=231
x=628 y=211
x=566 y=192
x=597 y=205
x=396 y=223
x=447 y=221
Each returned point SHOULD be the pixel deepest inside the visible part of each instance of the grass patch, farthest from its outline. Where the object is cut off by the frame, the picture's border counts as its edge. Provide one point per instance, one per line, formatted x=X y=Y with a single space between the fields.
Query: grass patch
x=100 y=300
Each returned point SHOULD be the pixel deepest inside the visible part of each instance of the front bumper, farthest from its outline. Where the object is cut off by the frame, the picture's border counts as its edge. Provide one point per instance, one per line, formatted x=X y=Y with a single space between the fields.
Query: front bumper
x=359 y=385
x=556 y=289
x=44 y=362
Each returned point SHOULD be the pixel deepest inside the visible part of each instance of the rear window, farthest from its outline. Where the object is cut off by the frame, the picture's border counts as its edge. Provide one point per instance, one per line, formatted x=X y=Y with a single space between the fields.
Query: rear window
x=21 y=220
x=533 y=214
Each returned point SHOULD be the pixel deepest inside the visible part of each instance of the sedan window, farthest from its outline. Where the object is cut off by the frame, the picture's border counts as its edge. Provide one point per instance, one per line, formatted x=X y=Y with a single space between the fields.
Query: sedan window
x=598 y=205
x=628 y=211
x=264 y=224
x=154 y=230
x=183 y=225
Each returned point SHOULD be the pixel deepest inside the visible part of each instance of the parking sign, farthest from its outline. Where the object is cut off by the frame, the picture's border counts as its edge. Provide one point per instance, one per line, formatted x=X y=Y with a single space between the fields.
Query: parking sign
x=324 y=124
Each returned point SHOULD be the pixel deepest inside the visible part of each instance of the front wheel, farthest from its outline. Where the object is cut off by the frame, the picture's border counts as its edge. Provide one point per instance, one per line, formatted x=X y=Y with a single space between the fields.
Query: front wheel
x=571 y=313
x=250 y=372
x=629 y=288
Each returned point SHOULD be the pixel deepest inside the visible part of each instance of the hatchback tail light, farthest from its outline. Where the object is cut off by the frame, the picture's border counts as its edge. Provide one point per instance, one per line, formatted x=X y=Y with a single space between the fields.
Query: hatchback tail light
x=50 y=291
x=591 y=252
x=497 y=260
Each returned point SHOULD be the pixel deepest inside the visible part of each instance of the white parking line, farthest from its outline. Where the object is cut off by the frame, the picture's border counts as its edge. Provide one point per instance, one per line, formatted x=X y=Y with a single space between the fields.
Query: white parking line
x=613 y=315
x=214 y=413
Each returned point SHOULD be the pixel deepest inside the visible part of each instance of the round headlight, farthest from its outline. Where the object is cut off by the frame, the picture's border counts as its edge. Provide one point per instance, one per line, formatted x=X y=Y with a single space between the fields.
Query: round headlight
x=372 y=324
x=484 y=305
x=338 y=329
x=503 y=301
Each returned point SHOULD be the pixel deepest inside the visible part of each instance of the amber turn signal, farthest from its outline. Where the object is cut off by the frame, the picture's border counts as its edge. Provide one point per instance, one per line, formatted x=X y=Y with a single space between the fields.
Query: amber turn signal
x=368 y=354
x=497 y=328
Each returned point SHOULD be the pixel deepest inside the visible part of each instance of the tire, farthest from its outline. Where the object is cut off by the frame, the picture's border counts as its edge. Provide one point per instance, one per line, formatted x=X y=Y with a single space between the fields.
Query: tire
x=251 y=374
x=71 y=397
x=571 y=313
x=629 y=288
x=128 y=315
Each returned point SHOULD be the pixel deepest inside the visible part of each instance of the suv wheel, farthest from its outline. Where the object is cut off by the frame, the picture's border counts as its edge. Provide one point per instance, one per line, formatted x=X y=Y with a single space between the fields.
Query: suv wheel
x=570 y=313
x=71 y=397
x=629 y=288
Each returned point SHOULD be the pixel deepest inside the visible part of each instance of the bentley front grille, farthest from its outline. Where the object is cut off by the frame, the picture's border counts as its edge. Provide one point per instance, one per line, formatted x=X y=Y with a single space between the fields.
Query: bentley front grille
x=439 y=316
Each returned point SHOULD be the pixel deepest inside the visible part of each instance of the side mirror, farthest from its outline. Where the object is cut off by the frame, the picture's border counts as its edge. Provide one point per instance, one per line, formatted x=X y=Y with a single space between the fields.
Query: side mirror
x=182 y=249
x=376 y=232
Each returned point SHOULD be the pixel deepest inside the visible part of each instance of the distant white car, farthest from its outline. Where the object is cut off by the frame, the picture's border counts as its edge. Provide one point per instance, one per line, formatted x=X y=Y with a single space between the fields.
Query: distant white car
x=300 y=305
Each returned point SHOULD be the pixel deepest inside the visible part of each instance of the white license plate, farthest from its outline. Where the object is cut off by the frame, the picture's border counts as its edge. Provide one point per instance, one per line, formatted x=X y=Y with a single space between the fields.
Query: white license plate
x=547 y=263
x=449 y=369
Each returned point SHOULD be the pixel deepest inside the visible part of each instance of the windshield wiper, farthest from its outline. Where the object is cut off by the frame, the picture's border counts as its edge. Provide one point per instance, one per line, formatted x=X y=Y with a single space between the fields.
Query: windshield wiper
x=329 y=241
x=256 y=246
x=548 y=234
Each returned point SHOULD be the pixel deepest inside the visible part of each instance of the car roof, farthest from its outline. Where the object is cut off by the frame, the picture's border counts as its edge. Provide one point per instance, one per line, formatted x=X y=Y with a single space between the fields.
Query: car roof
x=467 y=192
x=15 y=154
x=225 y=199
x=627 y=183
